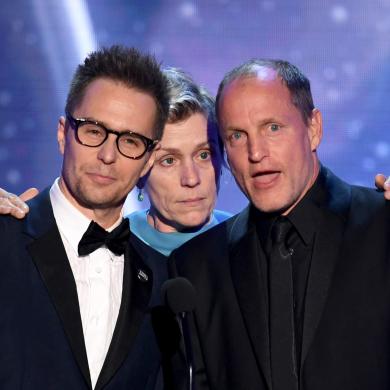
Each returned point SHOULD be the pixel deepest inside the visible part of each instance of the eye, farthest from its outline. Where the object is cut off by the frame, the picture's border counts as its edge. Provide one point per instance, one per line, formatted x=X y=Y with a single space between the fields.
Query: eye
x=205 y=155
x=237 y=138
x=91 y=130
x=167 y=161
x=94 y=131
x=129 y=141
x=274 y=127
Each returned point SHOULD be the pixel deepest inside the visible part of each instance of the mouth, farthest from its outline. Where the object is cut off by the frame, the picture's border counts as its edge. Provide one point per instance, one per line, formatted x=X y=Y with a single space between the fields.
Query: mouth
x=191 y=201
x=265 y=179
x=100 y=178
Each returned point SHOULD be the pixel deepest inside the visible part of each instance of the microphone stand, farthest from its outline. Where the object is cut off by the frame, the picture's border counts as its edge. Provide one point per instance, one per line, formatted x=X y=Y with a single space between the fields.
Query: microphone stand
x=180 y=296
x=187 y=348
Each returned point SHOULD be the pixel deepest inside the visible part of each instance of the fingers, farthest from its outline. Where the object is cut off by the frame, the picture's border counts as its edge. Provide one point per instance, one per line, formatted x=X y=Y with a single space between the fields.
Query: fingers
x=380 y=181
x=12 y=204
x=29 y=194
x=383 y=183
x=386 y=186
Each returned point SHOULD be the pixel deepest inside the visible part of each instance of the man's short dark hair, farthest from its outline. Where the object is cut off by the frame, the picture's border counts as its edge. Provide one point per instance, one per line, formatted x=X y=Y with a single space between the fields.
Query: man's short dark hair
x=296 y=82
x=127 y=66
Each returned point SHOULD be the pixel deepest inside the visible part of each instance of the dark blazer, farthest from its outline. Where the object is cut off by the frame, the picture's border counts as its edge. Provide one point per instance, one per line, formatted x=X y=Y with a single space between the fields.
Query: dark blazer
x=346 y=336
x=41 y=337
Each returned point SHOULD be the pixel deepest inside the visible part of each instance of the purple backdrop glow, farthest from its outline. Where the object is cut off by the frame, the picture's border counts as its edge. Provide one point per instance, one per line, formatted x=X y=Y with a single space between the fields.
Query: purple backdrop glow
x=343 y=47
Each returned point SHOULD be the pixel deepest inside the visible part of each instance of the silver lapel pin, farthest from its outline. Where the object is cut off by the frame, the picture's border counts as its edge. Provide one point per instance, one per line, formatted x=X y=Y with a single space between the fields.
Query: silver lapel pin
x=142 y=276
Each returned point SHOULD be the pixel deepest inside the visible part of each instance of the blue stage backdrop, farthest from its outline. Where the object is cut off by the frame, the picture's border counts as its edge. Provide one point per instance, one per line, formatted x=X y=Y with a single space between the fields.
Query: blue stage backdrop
x=343 y=46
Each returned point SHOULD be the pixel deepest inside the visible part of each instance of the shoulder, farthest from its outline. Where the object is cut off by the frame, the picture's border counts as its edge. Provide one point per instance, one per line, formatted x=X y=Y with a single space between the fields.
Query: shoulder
x=220 y=234
x=338 y=188
x=367 y=195
x=40 y=219
x=13 y=240
x=9 y=224
x=138 y=223
x=210 y=248
x=139 y=214
x=221 y=215
x=137 y=217
x=368 y=205
x=145 y=255
x=210 y=238
x=344 y=197
x=359 y=206
x=143 y=249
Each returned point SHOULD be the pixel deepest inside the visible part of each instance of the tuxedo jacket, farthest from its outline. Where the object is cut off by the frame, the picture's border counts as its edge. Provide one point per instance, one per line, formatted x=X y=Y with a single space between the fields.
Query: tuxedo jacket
x=346 y=331
x=41 y=336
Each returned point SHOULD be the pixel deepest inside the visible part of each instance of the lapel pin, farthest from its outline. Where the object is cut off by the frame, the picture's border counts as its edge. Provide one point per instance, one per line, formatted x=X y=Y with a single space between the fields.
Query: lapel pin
x=142 y=276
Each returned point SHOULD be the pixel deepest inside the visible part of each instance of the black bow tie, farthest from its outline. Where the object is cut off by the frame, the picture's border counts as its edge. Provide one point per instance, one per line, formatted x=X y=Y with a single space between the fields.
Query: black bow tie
x=95 y=237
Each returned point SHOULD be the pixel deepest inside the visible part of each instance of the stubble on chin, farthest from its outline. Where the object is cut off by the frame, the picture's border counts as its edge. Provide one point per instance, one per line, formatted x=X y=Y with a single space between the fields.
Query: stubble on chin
x=95 y=198
x=90 y=197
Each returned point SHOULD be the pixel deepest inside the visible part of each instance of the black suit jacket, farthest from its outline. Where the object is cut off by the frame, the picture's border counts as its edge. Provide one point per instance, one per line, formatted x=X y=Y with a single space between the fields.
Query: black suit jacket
x=41 y=337
x=346 y=335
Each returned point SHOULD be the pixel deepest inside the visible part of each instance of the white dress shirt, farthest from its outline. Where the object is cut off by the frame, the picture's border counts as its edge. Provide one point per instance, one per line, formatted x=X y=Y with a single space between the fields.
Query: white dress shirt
x=99 y=279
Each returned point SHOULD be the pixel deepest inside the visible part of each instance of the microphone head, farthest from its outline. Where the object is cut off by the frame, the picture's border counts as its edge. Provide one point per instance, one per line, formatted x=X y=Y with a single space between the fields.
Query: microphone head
x=179 y=295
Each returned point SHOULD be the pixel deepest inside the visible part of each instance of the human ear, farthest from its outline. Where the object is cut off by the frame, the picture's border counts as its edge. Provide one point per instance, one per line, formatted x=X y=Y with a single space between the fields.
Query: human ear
x=315 y=129
x=61 y=134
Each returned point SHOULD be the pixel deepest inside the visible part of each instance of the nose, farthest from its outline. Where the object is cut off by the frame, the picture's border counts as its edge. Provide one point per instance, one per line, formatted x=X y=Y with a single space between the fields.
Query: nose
x=108 y=152
x=190 y=174
x=258 y=148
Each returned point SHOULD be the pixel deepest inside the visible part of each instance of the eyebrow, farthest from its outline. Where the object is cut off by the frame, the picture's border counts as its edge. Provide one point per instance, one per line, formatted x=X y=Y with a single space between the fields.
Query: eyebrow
x=261 y=123
x=87 y=118
x=269 y=120
x=198 y=146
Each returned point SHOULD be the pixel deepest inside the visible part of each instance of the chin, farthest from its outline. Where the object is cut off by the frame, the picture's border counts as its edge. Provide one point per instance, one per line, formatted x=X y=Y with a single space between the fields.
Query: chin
x=270 y=206
x=99 y=202
x=194 y=223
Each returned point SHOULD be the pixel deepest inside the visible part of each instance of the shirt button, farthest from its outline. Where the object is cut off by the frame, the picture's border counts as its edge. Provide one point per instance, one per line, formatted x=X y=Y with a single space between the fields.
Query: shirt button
x=98 y=270
x=291 y=251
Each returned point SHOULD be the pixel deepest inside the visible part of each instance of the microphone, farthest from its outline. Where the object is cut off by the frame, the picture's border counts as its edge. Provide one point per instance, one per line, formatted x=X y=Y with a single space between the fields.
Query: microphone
x=180 y=296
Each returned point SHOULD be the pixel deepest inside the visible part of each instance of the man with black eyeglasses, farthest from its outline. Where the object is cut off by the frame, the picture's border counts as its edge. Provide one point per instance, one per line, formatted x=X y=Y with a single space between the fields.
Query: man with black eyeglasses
x=73 y=288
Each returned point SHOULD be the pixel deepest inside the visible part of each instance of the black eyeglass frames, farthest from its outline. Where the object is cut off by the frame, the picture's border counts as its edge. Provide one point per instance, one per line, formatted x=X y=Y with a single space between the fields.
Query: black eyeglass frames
x=93 y=134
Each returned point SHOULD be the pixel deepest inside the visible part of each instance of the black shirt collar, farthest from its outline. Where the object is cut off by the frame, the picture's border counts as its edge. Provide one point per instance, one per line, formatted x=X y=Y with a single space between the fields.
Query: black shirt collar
x=301 y=216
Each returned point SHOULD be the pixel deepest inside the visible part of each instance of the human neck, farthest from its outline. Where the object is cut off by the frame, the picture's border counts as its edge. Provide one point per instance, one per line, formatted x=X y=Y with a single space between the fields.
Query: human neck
x=158 y=222
x=310 y=183
x=104 y=217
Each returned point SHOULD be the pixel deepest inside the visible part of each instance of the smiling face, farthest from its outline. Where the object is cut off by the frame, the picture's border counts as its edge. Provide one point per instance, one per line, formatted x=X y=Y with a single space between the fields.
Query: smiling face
x=182 y=183
x=100 y=178
x=270 y=149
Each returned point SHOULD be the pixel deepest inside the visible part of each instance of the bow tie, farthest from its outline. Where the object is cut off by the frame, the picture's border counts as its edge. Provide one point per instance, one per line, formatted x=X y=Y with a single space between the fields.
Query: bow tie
x=95 y=237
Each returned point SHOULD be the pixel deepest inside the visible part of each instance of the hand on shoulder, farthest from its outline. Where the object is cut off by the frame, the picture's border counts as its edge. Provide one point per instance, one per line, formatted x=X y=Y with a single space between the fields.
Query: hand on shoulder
x=15 y=205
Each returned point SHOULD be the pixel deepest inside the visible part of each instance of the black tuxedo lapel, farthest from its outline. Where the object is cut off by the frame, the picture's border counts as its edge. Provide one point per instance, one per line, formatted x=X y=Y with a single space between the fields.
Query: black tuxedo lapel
x=329 y=224
x=136 y=292
x=251 y=292
x=49 y=256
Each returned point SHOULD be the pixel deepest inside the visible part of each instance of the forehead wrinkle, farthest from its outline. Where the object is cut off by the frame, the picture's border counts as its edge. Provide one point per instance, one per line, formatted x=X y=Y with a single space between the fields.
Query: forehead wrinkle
x=245 y=110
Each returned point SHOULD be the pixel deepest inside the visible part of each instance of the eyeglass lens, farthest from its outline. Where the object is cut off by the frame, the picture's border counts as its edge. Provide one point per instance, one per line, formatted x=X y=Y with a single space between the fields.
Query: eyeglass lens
x=131 y=145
